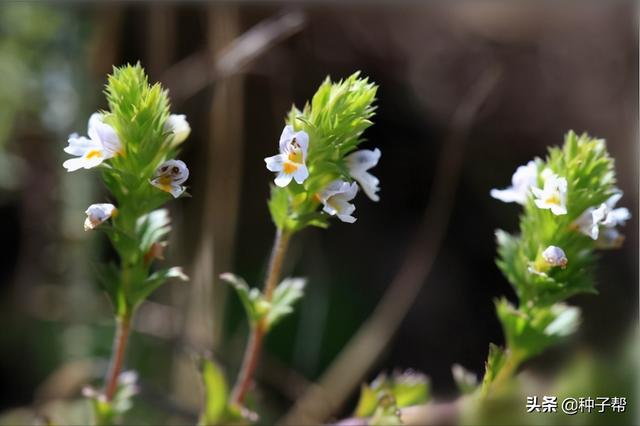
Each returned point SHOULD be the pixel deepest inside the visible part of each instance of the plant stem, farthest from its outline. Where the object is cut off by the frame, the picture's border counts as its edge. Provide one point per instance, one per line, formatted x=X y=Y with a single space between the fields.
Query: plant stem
x=508 y=369
x=254 y=346
x=117 y=355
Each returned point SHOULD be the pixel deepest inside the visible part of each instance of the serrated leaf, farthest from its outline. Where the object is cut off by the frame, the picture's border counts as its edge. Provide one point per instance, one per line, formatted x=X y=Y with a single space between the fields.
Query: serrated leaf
x=495 y=361
x=288 y=292
x=251 y=299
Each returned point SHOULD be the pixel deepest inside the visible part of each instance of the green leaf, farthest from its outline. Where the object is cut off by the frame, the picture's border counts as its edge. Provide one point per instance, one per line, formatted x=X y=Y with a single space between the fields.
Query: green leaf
x=531 y=332
x=216 y=393
x=141 y=292
x=367 y=403
x=288 y=292
x=109 y=412
x=410 y=388
x=495 y=361
x=251 y=299
x=386 y=394
x=108 y=276
x=152 y=227
x=279 y=206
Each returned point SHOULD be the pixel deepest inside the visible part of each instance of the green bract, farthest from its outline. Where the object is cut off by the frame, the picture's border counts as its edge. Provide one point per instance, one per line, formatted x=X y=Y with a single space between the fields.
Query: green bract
x=138 y=114
x=552 y=258
x=381 y=400
x=258 y=308
x=335 y=119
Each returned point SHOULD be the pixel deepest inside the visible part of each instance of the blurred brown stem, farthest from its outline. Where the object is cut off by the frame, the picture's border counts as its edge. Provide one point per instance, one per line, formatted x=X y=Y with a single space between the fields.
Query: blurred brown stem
x=254 y=346
x=117 y=355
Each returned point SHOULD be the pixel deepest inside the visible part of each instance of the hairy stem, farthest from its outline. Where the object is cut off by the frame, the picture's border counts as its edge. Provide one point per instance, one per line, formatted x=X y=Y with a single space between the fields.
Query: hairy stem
x=117 y=355
x=254 y=346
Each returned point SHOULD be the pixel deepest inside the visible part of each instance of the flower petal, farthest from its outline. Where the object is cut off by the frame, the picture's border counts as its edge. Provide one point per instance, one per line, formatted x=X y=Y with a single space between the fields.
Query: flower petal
x=282 y=179
x=362 y=160
x=301 y=174
x=275 y=163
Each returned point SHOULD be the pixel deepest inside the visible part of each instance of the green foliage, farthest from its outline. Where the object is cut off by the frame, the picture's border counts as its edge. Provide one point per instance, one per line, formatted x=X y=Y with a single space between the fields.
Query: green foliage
x=216 y=393
x=335 y=119
x=495 y=361
x=258 y=308
x=381 y=400
x=539 y=328
x=138 y=113
x=109 y=412
x=540 y=319
x=217 y=408
x=288 y=292
x=586 y=165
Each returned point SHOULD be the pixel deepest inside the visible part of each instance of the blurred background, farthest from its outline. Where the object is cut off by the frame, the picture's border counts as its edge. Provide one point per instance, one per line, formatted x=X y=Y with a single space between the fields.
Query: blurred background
x=447 y=137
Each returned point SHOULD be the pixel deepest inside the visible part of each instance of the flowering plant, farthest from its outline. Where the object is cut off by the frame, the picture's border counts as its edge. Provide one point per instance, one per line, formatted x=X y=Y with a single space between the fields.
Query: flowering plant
x=569 y=211
x=319 y=172
x=133 y=145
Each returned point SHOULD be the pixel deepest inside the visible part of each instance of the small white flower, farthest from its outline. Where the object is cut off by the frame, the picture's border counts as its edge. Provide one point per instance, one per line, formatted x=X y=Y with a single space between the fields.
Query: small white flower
x=555 y=256
x=606 y=215
x=521 y=182
x=178 y=128
x=358 y=163
x=98 y=214
x=553 y=196
x=170 y=176
x=290 y=163
x=336 y=197
x=103 y=143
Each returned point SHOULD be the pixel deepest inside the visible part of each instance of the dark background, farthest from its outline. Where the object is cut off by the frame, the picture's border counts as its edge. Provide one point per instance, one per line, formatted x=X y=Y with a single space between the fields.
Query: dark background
x=569 y=66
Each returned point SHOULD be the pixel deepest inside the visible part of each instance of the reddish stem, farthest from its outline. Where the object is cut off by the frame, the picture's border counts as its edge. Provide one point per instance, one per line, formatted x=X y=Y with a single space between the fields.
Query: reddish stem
x=254 y=346
x=117 y=354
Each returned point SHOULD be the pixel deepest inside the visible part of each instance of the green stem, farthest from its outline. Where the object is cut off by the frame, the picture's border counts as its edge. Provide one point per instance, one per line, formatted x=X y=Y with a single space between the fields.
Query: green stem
x=506 y=372
x=117 y=355
x=254 y=345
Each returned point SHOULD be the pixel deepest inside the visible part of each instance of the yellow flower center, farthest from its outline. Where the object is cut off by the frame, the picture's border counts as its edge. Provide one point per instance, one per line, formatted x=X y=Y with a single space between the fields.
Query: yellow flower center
x=289 y=167
x=553 y=199
x=164 y=183
x=293 y=161
x=94 y=153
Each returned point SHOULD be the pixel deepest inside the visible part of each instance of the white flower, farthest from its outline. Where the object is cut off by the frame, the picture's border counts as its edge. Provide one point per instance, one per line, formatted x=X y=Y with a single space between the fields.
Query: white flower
x=555 y=256
x=606 y=215
x=554 y=194
x=336 y=197
x=521 y=182
x=98 y=214
x=358 y=163
x=170 y=176
x=103 y=143
x=290 y=163
x=178 y=126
